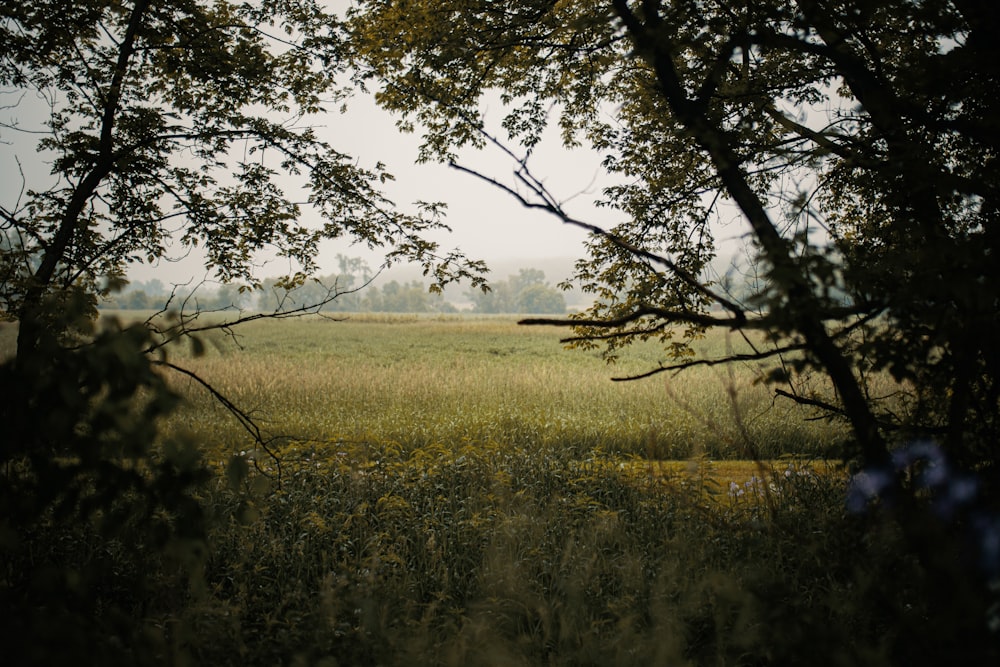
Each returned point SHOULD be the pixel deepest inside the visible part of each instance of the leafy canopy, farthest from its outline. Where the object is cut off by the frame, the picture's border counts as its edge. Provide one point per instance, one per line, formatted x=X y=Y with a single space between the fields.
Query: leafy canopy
x=175 y=125
x=856 y=141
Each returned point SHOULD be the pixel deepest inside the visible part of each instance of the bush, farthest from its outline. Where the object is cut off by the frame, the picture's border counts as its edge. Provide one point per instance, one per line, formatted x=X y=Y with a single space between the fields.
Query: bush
x=101 y=532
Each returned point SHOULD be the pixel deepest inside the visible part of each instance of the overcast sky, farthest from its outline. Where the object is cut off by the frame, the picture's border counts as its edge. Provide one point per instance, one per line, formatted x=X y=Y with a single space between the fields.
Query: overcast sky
x=487 y=223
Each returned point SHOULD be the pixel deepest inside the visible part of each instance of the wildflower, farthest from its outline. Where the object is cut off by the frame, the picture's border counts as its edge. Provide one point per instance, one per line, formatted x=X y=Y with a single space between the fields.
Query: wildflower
x=953 y=493
x=920 y=450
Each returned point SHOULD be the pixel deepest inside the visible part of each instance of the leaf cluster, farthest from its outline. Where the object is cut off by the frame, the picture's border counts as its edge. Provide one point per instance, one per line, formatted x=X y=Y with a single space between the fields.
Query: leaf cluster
x=183 y=126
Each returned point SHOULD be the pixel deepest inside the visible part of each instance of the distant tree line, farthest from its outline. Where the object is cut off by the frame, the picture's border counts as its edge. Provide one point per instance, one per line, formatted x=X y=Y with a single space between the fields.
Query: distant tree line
x=154 y=295
x=526 y=292
x=391 y=297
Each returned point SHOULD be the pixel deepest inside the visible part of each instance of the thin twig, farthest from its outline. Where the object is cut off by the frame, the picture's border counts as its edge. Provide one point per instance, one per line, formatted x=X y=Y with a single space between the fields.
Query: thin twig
x=245 y=420
x=728 y=359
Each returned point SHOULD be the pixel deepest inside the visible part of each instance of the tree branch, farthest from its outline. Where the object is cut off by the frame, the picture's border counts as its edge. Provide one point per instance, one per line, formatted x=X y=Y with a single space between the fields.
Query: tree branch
x=815 y=402
x=677 y=368
x=182 y=329
x=550 y=205
x=671 y=316
x=245 y=420
x=655 y=46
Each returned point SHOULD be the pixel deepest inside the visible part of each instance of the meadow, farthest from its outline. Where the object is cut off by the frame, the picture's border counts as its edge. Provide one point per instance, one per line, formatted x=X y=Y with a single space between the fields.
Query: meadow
x=463 y=491
x=417 y=381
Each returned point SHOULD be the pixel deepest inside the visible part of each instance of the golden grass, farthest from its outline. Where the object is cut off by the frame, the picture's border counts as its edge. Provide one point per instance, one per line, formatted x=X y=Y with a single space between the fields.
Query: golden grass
x=421 y=380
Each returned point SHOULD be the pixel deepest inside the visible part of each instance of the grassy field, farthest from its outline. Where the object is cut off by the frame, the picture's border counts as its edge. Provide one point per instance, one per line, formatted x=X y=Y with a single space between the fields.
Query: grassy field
x=465 y=492
x=418 y=381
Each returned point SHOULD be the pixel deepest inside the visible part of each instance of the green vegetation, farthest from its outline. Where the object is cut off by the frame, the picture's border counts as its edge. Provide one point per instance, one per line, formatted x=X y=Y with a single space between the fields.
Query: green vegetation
x=527 y=292
x=439 y=515
x=424 y=507
x=420 y=381
x=854 y=145
x=502 y=555
x=349 y=291
x=486 y=532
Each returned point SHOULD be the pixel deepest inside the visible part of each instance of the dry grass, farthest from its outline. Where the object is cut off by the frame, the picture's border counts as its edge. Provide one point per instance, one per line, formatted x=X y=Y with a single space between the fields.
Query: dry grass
x=418 y=381
x=465 y=492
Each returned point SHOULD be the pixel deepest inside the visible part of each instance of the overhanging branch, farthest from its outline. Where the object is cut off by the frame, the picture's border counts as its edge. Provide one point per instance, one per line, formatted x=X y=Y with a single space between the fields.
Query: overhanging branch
x=173 y=333
x=684 y=365
x=671 y=316
x=549 y=204
x=244 y=419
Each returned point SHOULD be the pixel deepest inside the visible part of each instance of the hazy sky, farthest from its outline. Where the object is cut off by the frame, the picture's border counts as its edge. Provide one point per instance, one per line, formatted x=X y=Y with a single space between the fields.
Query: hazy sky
x=487 y=223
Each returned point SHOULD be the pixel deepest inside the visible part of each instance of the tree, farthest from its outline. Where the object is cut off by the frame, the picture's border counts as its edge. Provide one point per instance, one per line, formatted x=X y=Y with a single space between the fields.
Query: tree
x=857 y=141
x=228 y=297
x=541 y=299
x=336 y=292
x=396 y=297
x=497 y=299
x=167 y=125
x=182 y=123
x=527 y=292
x=179 y=125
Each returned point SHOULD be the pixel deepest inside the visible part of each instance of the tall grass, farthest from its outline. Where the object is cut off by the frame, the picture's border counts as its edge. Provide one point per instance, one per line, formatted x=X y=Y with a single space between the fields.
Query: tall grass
x=464 y=492
x=419 y=381
x=504 y=556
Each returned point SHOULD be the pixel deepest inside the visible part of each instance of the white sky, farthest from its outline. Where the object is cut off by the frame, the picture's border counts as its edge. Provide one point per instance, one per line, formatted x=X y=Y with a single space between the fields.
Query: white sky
x=487 y=223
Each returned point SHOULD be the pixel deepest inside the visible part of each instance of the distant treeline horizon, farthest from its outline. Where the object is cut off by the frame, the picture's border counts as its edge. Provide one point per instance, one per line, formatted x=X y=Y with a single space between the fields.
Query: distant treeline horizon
x=526 y=292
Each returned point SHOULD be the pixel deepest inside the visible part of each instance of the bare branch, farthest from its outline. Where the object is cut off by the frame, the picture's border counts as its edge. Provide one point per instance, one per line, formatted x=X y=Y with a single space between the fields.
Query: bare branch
x=182 y=328
x=244 y=419
x=549 y=204
x=671 y=316
x=815 y=402
x=728 y=359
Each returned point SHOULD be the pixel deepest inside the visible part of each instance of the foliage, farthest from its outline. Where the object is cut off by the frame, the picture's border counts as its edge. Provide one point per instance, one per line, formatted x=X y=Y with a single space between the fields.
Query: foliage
x=389 y=297
x=138 y=296
x=857 y=144
x=410 y=297
x=486 y=555
x=357 y=291
x=171 y=124
x=154 y=296
x=857 y=140
x=277 y=295
x=136 y=299
x=450 y=553
x=527 y=292
x=369 y=551
x=101 y=533
x=167 y=127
